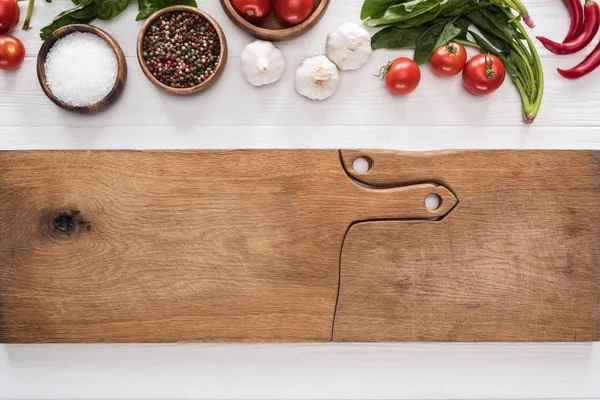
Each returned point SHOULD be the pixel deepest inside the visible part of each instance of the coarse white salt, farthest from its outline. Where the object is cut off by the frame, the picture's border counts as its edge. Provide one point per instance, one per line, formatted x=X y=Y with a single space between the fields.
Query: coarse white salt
x=81 y=69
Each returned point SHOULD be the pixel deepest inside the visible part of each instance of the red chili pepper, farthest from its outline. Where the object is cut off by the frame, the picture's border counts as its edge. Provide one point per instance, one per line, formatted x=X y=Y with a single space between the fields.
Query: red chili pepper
x=590 y=63
x=588 y=32
x=577 y=19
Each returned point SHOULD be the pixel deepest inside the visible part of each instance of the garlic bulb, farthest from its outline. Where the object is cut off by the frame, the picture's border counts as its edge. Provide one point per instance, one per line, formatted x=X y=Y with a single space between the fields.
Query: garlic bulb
x=262 y=63
x=317 y=78
x=349 y=46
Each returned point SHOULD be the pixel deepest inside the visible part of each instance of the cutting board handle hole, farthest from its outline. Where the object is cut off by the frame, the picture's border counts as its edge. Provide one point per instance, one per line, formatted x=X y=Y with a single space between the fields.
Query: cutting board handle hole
x=433 y=202
x=362 y=165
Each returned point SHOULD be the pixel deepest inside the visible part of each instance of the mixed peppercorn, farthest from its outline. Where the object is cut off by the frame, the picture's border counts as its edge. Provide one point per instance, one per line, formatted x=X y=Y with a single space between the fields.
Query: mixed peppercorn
x=181 y=49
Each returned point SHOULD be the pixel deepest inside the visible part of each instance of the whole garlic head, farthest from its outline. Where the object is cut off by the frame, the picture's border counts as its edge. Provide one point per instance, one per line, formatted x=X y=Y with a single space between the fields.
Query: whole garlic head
x=317 y=78
x=349 y=46
x=262 y=63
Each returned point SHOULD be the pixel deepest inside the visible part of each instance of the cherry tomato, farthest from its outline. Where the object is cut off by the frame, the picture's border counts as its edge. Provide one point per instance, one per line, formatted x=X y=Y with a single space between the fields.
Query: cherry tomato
x=483 y=74
x=254 y=11
x=294 y=12
x=9 y=15
x=12 y=52
x=402 y=76
x=449 y=60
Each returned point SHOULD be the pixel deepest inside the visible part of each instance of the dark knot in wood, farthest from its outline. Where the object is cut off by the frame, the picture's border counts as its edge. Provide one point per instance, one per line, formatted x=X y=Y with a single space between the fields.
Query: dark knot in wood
x=65 y=221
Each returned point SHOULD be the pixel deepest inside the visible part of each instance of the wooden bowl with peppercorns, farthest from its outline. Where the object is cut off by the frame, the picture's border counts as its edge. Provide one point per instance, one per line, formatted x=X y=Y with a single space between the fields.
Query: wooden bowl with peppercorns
x=182 y=50
x=274 y=27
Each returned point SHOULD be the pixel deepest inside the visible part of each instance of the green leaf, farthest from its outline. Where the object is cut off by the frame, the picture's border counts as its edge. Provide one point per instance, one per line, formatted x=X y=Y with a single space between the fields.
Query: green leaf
x=396 y=38
x=453 y=8
x=408 y=10
x=84 y=13
x=374 y=19
x=463 y=24
x=149 y=7
x=372 y=7
x=500 y=22
x=109 y=9
x=426 y=42
x=450 y=31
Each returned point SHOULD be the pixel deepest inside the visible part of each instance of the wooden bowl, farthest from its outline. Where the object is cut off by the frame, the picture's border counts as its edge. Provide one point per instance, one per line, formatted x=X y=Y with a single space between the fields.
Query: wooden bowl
x=121 y=62
x=272 y=29
x=194 y=89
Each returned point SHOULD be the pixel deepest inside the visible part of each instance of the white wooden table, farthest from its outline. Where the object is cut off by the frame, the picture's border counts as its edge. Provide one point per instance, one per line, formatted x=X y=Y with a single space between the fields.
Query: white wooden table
x=439 y=115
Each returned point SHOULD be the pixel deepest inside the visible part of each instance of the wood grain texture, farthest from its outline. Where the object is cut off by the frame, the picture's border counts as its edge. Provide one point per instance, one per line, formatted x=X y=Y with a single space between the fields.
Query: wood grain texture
x=518 y=259
x=273 y=29
x=222 y=63
x=180 y=246
x=117 y=89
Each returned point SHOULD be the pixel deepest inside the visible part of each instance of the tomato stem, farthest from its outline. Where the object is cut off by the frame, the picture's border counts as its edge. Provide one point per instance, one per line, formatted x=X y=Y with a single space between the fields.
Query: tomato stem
x=488 y=67
x=28 y=16
x=452 y=48
x=384 y=70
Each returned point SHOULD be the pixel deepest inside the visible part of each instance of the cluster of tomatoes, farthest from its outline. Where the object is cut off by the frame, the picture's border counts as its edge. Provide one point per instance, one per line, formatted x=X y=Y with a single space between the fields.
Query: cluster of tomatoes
x=482 y=74
x=12 y=51
x=290 y=12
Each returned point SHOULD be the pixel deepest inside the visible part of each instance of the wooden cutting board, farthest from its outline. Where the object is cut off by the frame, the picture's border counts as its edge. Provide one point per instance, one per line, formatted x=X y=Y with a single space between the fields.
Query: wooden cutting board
x=518 y=259
x=254 y=246
x=180 y=246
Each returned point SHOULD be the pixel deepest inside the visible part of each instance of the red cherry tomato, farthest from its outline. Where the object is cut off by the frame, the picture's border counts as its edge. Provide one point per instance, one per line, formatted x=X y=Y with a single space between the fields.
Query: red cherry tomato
x=254 y=11
x=9 y=15
x=12 y=52
x=483 y=74
x=449 y=60
x=402 y=76
x=294 y=12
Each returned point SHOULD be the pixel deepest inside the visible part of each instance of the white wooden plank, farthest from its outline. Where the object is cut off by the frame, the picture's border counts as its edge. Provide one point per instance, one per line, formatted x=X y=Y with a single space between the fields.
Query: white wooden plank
x=274 y=137
x=362 y=100
x=344 y=371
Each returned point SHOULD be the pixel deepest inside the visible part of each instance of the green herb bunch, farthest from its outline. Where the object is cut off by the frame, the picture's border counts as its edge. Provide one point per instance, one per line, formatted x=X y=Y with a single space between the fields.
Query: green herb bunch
x=426 y=25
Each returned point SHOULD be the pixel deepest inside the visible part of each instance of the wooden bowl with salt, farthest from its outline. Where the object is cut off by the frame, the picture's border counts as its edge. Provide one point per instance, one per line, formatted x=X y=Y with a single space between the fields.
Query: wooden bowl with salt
x=272 y=29
x=222 y=58
x=119 y=85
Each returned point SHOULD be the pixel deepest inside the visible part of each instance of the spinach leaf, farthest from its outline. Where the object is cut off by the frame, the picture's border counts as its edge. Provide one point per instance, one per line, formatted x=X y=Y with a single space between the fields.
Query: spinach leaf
x=149 y=7
x=109 y=9
x=83 y=13
x=453 y=8
x=463 y=24
x=486 y=26
x=500 y=22
x=450 y=31
x=396 y=38
x=372 y=7
x=374 y=19
x=426 y=42
x=438 y=35
x=408 y=10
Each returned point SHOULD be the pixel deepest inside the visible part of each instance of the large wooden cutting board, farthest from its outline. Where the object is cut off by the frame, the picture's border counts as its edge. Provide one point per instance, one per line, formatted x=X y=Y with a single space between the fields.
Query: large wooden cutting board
x=180 y=246
x=254 y=246
x=518 y=259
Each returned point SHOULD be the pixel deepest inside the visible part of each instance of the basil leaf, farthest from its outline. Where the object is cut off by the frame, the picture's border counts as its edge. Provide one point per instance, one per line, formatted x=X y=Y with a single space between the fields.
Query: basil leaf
x=372 y=7
x=109 y=9
x=149 y=7
x=408 y=10
x=426 y=43
x=396 y=38
x=84 y=13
